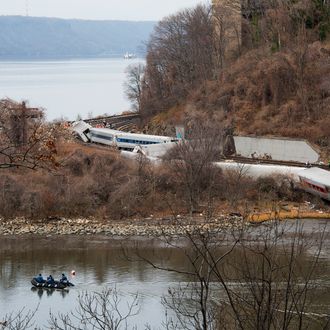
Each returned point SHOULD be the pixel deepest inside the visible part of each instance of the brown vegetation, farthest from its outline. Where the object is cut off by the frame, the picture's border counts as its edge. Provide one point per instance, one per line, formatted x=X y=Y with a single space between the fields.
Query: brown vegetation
x=262 y=94
x=94 y=181
x=99 y=183
x=276 y=82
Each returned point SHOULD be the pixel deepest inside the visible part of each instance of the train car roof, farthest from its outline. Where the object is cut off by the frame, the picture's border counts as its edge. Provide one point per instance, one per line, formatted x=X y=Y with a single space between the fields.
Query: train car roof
x=316 y=174
x=133 y=135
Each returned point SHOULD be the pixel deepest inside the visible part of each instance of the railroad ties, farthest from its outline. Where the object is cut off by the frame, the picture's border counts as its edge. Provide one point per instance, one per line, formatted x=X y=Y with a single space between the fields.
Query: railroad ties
x=124 y=122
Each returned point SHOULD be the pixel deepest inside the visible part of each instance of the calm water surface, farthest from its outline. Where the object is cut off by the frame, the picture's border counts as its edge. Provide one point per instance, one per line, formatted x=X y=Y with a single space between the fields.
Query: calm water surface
x=68 y=88
x=99 y=263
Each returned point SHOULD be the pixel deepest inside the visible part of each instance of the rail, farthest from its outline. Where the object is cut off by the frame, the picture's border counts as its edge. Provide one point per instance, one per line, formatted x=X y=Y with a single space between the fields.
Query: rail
x=127 y=118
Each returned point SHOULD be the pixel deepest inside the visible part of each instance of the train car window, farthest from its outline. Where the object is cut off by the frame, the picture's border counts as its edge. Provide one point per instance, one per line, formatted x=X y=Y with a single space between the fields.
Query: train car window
x=99 y=136
x=317 y=188
x=123 y=140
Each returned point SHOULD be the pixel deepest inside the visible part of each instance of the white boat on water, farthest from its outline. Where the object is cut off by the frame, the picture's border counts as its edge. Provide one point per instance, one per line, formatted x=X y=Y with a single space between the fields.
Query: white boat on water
x=128 y=56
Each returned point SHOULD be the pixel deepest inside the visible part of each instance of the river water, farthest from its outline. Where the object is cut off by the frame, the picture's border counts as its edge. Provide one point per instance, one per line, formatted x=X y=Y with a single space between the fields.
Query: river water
x=68 y=88
x=100 y=262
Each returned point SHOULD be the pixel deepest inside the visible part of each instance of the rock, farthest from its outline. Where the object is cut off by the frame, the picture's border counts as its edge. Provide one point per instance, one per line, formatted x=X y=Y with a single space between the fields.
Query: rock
x=148 y=227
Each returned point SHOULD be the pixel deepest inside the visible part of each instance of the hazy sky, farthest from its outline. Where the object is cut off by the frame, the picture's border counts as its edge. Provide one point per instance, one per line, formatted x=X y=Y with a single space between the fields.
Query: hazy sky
x=97 y=9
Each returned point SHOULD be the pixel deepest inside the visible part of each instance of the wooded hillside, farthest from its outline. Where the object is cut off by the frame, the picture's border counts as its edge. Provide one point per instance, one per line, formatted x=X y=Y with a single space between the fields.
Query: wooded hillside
x=275 y=80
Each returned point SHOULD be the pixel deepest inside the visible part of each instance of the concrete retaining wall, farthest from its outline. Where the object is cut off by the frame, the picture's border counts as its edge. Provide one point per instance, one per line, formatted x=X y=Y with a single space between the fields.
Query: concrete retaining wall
x=278 y=149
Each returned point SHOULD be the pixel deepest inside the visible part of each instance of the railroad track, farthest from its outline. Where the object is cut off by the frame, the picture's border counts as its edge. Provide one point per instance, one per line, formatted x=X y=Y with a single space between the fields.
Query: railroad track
x=115 y=121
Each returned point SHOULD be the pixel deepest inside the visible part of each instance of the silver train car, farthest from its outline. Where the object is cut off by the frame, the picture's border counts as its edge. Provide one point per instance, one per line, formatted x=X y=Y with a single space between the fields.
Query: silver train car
x=119 y=139
x=315 y=181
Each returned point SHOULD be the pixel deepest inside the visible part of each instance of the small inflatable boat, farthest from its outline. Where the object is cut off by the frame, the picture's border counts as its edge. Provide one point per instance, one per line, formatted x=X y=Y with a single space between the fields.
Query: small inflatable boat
x=55 y=285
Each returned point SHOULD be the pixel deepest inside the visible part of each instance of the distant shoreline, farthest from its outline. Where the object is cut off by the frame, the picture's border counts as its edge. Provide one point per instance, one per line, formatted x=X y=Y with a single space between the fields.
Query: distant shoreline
x=69 y=58
x=44 y=38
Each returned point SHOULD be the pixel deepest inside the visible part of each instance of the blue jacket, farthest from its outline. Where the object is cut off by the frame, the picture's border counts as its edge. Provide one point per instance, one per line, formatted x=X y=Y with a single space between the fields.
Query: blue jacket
x=50 y=279
x=63 y=279
x=39 y=279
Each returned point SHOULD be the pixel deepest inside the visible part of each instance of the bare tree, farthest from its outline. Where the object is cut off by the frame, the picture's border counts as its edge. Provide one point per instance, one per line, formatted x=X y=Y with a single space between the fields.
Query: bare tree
x=274 y=284
x=99 y=311
x=193 y=302
x=179 y=58
x=264 y=278
x=235 y=184
x=133 y=85
x=21 y=320
x=25 y=140
x=191 y=162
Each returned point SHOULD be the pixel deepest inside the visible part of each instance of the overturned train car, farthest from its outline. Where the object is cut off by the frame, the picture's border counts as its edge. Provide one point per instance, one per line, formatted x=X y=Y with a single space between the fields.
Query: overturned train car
x=119 y=139
x=315 y=181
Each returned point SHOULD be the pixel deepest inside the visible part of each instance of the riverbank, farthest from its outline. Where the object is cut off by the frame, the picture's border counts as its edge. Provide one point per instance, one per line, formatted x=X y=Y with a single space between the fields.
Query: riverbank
x=148 y=227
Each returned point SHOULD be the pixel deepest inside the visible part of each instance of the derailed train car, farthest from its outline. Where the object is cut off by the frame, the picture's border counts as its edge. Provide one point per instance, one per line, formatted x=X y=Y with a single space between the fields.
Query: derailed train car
x=119 y=139
x=315 y=181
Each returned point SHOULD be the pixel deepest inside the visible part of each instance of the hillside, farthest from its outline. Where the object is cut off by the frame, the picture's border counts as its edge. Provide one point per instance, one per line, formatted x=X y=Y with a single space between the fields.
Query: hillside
x=261 y=94
x=272 y=79
x=39 y=38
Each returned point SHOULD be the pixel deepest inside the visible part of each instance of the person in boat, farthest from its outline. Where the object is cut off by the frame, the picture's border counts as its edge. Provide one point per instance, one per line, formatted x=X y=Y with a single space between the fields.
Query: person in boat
x=64 y=279
x=40 y=279
x=50 y=280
